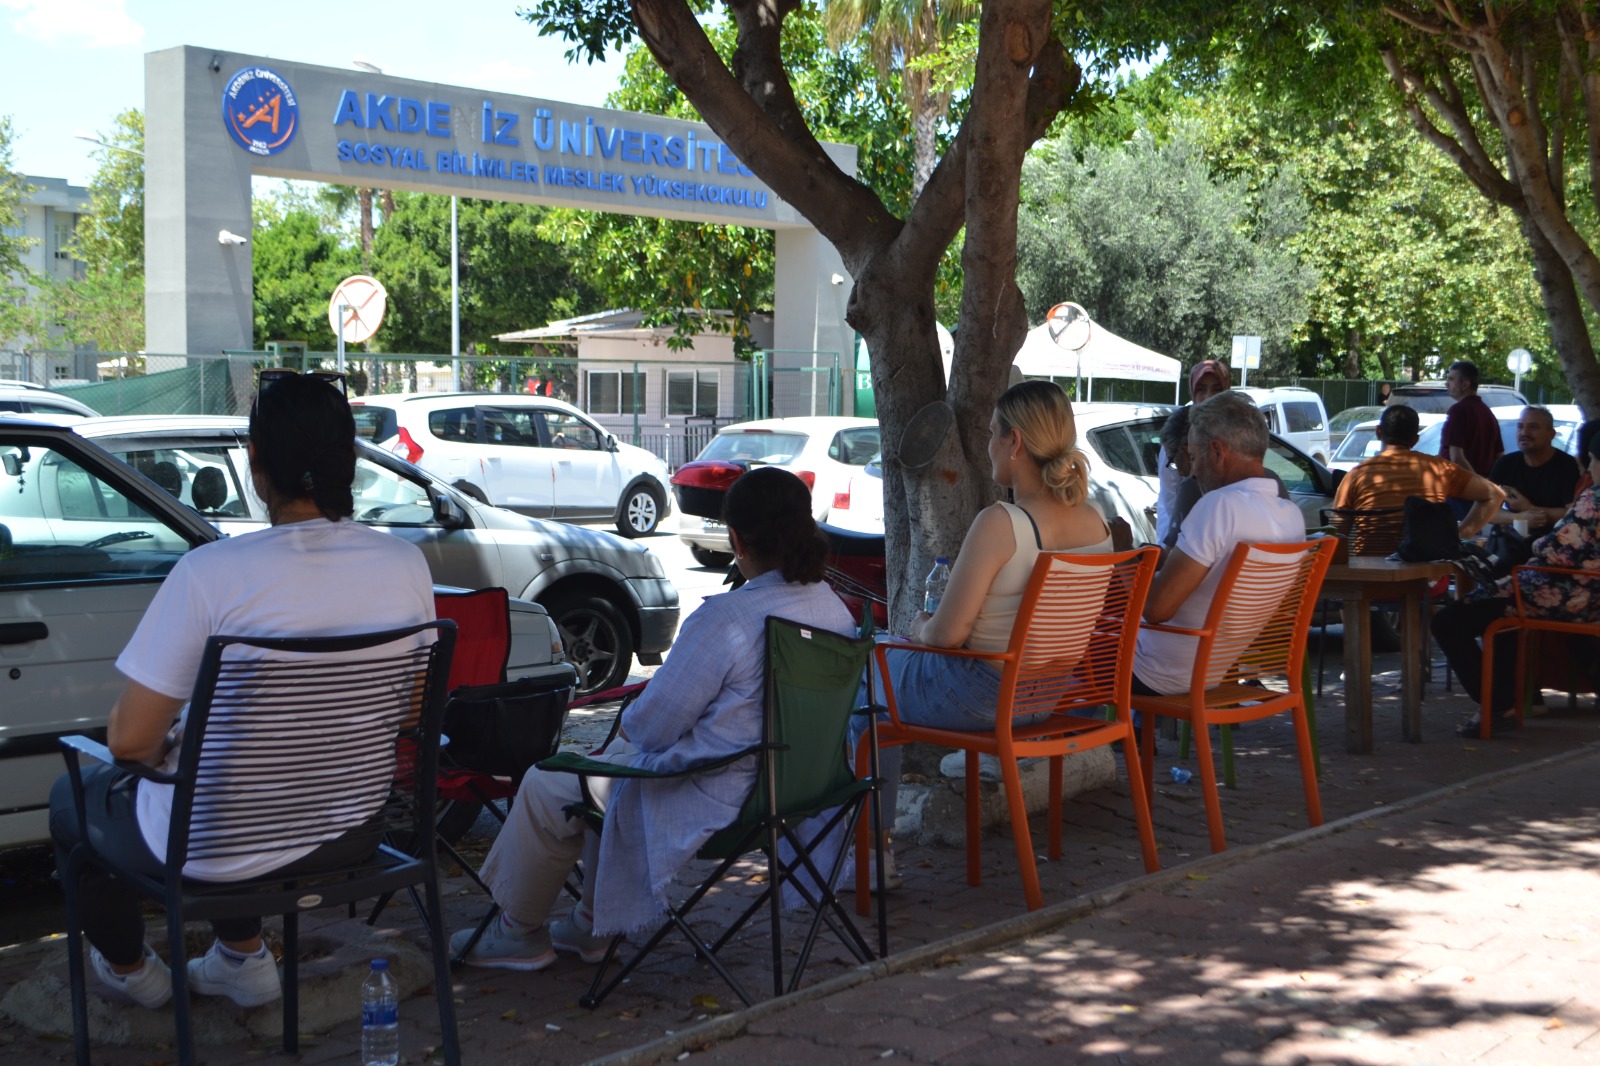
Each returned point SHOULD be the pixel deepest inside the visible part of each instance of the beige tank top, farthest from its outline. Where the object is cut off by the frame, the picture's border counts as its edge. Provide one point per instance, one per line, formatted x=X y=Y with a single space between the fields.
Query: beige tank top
x=991 y=630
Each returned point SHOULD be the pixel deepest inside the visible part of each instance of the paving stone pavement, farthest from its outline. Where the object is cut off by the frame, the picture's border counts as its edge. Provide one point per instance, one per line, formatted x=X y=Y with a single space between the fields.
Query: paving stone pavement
x=1459 y=929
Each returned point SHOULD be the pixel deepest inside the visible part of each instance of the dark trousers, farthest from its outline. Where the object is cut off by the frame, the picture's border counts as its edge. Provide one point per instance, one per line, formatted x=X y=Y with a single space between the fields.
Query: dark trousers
x=109 y=907
x=1458 y=628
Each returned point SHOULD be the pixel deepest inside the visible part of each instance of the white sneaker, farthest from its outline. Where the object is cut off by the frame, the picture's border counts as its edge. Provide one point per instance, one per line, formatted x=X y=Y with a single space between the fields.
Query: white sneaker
x=149 y=986
x=954 y=766
x=249 y=982
x=504 y=948
x=574 y=935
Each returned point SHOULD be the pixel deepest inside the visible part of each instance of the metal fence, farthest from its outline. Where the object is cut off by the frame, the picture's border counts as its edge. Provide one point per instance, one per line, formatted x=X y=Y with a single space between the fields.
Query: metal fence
x=1337 y=394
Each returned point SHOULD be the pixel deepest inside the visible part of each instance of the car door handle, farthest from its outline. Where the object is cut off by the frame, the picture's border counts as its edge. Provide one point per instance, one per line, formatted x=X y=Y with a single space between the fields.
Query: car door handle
x=23 y=632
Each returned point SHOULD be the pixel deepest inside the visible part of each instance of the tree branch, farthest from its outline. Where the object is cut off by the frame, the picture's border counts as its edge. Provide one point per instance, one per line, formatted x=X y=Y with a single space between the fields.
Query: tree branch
x=1585 y=71
x=1467 y=153
x=938 y=214
x=783 y=149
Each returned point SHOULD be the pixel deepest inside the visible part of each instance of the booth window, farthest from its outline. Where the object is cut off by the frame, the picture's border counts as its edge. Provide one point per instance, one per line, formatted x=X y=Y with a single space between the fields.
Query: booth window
x=691 y=392
x=612 y=392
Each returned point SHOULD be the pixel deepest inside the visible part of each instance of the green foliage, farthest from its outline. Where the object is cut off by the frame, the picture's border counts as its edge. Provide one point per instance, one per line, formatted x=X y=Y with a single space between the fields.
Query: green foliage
x=672 y=270
x=298 y=259
x=1158 y=249
x=110 y=239
x=512 y=277
x=12 y=247
x=104 y=305
x=591 y=28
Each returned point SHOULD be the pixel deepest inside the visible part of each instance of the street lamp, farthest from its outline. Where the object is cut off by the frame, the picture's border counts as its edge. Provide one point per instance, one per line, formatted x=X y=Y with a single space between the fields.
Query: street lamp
x=363 y=63
x=93 y=139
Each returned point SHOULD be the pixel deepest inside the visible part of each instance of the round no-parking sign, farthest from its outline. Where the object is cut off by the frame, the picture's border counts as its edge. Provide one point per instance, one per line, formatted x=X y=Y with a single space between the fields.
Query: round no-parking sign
x=356 y=310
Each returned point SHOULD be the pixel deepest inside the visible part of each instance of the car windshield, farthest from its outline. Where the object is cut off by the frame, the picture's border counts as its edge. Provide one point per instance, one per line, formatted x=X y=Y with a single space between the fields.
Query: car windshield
x=1359 y=444
x=755 y=446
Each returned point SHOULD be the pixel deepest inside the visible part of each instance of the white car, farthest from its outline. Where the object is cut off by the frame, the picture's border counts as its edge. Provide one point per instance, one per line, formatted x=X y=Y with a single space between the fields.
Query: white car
x=85 y=541
x=610 y=598
x=537 y=456
x=1567 y=418
x=1296 y=415
x=824 y=450
x=1361 y=442
x=1122 y=442
x=20 y=397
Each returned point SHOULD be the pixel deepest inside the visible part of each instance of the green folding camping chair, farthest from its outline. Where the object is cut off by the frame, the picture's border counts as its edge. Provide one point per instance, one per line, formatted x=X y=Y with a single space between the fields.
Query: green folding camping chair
x=813 y=684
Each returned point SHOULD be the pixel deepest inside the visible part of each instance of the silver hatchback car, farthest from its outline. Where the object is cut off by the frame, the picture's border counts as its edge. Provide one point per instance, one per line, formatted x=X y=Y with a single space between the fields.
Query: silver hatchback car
x=610 y=598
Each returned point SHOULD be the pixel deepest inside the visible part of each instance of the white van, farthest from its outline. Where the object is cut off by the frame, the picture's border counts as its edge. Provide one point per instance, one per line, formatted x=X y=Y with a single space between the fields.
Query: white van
x=1298 y=416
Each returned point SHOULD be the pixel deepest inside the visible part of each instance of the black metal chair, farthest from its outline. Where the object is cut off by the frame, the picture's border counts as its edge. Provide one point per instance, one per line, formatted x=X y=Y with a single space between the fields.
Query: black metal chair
x=812 y=687
x=304 y=742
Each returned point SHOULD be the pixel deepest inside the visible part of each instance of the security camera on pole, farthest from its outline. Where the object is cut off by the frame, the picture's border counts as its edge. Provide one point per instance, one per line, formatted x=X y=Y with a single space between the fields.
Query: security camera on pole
x=1519 y=362
x=356 y=311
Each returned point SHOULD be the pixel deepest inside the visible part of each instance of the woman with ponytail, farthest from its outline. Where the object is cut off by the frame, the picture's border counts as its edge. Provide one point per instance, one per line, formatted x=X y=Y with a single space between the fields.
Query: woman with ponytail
x=703 y=703
x=1033 y=452
x=312 y=573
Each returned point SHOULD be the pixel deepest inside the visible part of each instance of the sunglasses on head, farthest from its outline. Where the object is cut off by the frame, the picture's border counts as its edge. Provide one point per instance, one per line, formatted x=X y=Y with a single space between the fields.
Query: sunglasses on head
x=269 y=375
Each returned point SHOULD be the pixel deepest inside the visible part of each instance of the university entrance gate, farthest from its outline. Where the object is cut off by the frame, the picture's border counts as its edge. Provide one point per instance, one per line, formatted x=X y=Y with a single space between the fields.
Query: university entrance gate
x=214 y=119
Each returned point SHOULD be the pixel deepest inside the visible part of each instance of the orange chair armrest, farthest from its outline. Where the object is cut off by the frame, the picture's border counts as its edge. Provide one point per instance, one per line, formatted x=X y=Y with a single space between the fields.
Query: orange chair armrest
x=881 y=656
x=1518 y=571
x=1157 y=627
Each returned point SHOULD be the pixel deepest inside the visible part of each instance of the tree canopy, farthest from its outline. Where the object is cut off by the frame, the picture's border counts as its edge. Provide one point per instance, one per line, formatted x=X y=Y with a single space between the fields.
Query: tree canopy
x=1161 y=251
x=1508 y=93
x=13 y=246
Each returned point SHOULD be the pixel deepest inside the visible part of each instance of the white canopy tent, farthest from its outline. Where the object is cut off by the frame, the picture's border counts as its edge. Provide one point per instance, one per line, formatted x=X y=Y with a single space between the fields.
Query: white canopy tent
x=1103 y=355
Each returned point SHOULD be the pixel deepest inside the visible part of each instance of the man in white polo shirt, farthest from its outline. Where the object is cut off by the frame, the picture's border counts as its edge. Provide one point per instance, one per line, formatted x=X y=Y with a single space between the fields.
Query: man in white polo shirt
x=1227 y=442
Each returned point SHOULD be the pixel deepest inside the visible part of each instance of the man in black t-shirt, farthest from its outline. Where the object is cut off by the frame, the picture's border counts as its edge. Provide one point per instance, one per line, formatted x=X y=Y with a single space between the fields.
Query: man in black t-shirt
x=1539 y=480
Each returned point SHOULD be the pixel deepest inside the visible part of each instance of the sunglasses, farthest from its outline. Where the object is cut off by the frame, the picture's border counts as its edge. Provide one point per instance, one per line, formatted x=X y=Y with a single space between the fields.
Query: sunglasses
x=269 y=375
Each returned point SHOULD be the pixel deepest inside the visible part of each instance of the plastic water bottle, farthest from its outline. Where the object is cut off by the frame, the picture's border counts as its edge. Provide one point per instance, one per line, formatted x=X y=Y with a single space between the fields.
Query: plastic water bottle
x=1181 y=776
x=380 y=1017
x=938 y=578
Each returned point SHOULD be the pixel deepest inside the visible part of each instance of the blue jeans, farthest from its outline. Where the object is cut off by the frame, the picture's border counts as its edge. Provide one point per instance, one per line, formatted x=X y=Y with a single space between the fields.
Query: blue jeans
x=939 y=691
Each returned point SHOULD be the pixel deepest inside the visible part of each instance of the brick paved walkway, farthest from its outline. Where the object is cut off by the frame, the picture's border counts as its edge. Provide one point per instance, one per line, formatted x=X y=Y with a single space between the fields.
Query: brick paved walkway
x=1222 y=972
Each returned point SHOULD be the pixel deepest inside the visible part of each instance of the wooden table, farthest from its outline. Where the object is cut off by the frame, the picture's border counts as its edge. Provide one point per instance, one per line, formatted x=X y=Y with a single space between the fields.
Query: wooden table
x=1357 y=582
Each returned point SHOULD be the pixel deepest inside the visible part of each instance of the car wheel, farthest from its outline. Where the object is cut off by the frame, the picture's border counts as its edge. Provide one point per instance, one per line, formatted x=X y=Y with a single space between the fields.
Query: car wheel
x=714 y=560
x=596 y=638
x=639 y=513
x=453 y=818
x=467 y=488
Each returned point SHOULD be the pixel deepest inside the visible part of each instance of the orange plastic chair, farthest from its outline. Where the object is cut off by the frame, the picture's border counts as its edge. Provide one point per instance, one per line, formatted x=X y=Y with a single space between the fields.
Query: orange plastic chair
x=1256 y=628
x=1525 y=625
x=1071 y=654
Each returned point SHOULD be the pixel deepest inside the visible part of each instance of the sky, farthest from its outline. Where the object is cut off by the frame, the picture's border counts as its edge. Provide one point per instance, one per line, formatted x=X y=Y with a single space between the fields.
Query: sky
x=70 y=66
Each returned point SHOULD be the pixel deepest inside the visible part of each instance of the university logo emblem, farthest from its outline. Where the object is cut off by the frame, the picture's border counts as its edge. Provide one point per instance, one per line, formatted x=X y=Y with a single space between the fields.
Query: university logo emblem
x=260 y=111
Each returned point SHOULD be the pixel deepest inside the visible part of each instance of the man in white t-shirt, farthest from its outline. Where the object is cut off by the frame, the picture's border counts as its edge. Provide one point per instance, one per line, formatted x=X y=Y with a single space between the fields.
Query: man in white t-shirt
x=1227 y=442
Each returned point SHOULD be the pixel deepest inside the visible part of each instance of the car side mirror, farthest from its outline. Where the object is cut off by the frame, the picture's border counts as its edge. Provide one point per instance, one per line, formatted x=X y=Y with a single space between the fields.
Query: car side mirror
x=611 y=442
x=1334 y=477
x=446 y=511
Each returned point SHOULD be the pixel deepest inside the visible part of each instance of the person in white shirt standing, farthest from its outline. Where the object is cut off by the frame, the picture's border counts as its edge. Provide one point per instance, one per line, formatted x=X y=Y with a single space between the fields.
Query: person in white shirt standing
x=1227 y=443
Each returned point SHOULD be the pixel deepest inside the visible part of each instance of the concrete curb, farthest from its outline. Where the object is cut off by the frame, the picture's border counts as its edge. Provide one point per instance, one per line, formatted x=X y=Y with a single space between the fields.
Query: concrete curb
x=1051 y=916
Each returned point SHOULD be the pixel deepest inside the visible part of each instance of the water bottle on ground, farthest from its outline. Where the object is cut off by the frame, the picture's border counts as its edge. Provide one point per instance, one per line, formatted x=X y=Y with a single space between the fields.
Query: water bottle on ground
x=1181 y=776
x=938 y=578
x=380 y=1017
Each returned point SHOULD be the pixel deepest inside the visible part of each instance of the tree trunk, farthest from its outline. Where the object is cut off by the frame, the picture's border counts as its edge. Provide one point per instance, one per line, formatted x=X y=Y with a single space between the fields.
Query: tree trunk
x=364 y=200
x=1568 y=328
x=1352 y=354
x=1022 y=82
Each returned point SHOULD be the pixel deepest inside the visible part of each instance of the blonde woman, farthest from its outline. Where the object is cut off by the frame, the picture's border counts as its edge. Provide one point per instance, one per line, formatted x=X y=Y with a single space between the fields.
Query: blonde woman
x=1033 y=452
